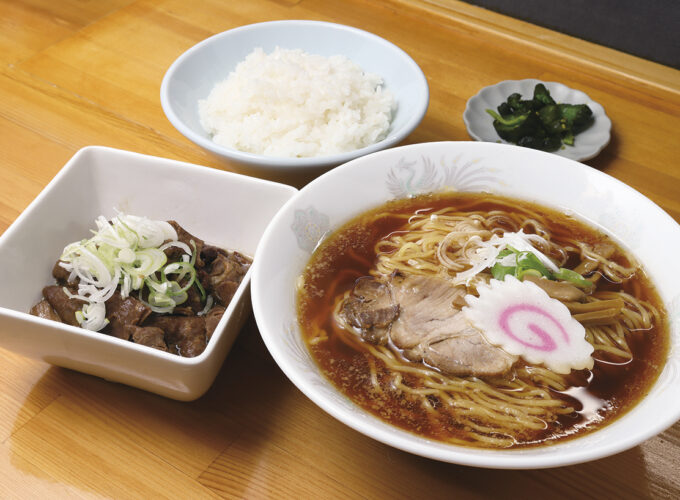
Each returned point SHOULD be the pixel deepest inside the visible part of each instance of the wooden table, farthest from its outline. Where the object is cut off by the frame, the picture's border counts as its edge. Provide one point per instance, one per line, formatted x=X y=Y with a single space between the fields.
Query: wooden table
x=75 y=73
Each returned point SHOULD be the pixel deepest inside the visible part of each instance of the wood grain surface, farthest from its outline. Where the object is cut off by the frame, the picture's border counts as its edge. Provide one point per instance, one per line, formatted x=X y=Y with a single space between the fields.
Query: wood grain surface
x=81 y=72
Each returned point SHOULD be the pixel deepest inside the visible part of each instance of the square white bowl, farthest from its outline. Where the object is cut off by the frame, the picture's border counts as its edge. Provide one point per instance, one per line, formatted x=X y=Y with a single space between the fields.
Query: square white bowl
x=225 y=209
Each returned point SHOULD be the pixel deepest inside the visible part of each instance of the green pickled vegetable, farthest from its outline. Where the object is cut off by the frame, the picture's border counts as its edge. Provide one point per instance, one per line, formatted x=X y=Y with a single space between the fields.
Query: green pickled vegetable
x=513 y=128
x=540 y=123
x=541 y=95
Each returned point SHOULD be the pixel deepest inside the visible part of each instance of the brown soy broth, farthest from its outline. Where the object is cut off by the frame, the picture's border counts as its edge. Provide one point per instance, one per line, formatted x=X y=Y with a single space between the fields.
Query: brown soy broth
x=599 y=397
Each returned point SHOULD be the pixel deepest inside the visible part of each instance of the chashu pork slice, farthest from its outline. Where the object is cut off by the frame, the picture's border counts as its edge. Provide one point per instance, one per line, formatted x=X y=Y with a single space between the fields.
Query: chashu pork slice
x=370 y=309
x=431 y=329
x=427 y=309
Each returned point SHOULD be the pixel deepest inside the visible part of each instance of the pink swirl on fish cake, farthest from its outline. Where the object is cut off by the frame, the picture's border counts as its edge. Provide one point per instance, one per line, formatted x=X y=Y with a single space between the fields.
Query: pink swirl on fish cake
x=547 y=342
x=520 y=318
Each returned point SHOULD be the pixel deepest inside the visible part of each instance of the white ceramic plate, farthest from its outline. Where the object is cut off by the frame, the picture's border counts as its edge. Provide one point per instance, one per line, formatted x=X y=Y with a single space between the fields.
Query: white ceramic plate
x=225 y=209
x=192 y=76
x=334 y=198
x=587 y=144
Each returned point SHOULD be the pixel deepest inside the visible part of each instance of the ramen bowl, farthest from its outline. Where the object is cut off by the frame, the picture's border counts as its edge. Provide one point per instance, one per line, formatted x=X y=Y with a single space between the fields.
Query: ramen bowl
x=222 y=208
x=637 y=224
x=193 y=75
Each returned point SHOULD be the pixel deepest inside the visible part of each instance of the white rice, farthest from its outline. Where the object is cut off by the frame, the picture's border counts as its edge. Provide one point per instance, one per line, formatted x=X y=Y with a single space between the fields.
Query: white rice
x=293 y=104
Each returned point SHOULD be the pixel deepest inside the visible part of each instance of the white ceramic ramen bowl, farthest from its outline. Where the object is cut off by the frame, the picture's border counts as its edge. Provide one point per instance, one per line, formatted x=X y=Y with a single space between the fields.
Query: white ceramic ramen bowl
x=587 y=144
x=334 y=198
x=222 y=208
x=193 y=75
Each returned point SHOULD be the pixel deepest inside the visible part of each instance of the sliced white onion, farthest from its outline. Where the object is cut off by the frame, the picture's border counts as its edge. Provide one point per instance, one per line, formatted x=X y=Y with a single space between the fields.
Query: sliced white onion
x=487 y=252
x=157 y=287
x=151 y=233
x=522 y=242
x=126 y=256
x=94 y=316
x=171 y=268
x=123 y=251
x=508 y=260
x=149 y=261
x=125 y=286
x=93 y=265
x=208 y=305
x=179 y=244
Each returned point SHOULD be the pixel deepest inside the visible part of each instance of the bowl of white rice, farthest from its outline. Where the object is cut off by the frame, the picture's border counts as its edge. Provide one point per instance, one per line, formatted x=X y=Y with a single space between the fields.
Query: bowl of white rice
x=288 y=100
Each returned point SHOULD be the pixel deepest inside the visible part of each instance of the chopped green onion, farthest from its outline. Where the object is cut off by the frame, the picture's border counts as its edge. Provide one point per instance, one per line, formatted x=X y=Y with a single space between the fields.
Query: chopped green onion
x=182 y=269
x=127 y=251
x=529 y=272
x=527 y=262
x=148 y=261
x=200 y=289
x=499 y=271
x=573 y=277
x=161 y=300
x=208 y=305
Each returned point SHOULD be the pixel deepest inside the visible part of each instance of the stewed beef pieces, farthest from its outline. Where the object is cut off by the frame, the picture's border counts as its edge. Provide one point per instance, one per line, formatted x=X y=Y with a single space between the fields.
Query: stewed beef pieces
x=122 y=312
x=213 y=317
x=174 y=253
x=184 y=332
x=150 y=336
x=223 y=272
x=64 y=306
x=184 y=335
x=43 y=309
x=60 y=274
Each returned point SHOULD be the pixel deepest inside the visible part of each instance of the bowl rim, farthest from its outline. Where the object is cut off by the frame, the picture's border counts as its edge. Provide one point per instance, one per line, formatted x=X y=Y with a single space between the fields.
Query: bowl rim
x=598 y=110
x=307 y=162
x=398 y=438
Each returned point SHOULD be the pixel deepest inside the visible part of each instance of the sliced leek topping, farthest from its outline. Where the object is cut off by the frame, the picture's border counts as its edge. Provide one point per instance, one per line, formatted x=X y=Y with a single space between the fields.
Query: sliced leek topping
x=128 y=252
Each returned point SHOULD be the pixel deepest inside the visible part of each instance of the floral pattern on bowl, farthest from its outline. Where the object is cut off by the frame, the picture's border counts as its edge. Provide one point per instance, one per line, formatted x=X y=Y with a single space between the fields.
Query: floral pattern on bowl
x=587 y=144
x=671 y=372
x=408 y=178
x=309 y=227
